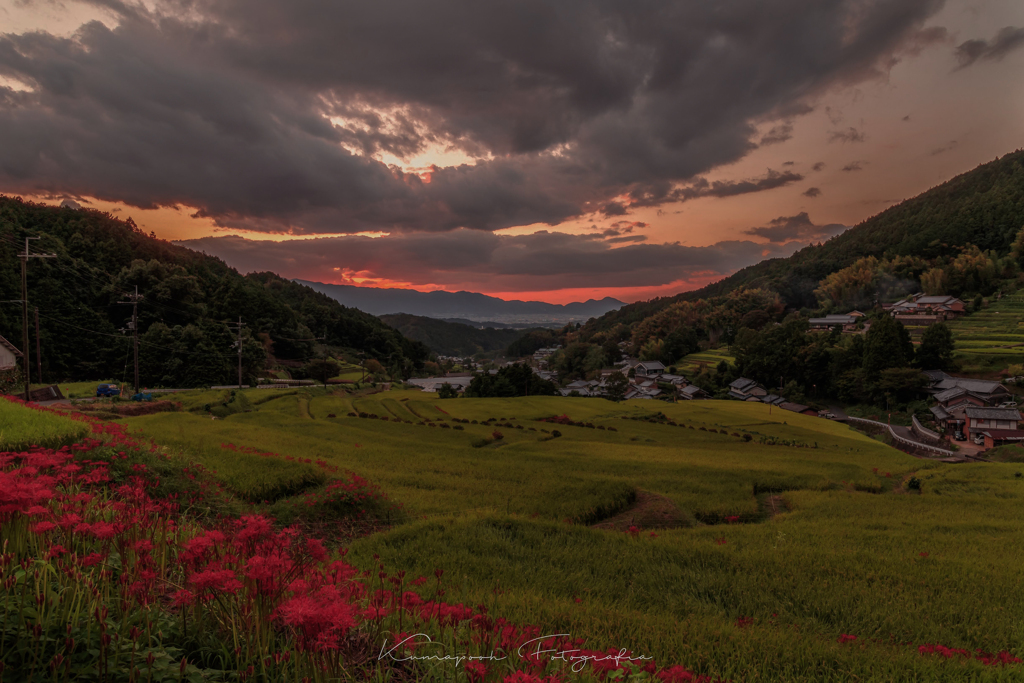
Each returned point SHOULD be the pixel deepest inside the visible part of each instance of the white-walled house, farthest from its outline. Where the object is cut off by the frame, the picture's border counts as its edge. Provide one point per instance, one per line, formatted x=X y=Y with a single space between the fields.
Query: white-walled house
x=9 y=355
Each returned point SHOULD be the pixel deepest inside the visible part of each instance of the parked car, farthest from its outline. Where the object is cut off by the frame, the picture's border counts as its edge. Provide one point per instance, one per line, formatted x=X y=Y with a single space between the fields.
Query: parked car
x=108 y=390
x=826 y=414
x=142 y=397
x=959 y=436
x=1008 y=404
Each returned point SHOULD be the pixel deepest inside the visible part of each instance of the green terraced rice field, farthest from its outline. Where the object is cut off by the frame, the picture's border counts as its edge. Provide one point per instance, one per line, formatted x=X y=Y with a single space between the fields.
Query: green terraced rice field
x=824 y=539
x=711 y=358
x=991 y=339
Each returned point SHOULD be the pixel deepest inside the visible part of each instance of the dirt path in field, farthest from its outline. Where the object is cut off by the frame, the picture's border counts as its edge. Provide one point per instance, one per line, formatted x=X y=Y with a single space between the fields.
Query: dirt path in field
x=650 y=511
x=773 y=505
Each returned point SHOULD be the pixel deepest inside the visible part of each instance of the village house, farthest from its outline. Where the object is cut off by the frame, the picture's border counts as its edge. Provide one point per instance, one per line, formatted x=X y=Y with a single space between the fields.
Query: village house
x=921 y=309
x=953 y=395
x=693 y=393
x=995 y=425
x=848 y=322
x=648 y=368
x=9 y=355
x=744 y=389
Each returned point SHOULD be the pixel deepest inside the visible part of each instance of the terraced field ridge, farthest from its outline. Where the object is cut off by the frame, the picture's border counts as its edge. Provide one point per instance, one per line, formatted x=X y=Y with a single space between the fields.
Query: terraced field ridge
x=993 y=338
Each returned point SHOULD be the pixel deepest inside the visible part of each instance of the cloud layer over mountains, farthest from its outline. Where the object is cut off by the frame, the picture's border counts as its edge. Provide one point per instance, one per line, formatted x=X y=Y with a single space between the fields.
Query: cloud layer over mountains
x=272 y=116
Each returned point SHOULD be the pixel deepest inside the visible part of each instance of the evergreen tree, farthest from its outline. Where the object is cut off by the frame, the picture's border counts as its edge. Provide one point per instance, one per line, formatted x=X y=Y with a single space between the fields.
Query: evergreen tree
x=936 y=350
x=887 y=345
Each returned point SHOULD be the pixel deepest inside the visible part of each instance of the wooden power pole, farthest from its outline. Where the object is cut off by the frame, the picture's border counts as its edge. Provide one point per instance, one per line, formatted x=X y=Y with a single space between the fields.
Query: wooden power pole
x=39 y=353
x=24 y=311
x=238 y=343
x=134 y=299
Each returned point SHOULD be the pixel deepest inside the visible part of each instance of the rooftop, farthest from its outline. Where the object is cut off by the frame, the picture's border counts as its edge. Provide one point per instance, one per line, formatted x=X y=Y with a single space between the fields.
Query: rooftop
x=993 y=413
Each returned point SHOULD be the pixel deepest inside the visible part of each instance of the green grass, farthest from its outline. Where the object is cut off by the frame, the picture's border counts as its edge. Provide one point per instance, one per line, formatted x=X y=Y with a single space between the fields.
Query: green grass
x=710 y=358
x=992 y=338
x=22 y=427
x=842 y=556
x=79 y=389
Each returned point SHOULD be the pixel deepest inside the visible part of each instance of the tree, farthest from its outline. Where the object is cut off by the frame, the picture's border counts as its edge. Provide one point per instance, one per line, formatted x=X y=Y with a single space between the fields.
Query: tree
x=936 y=350
x=512 y=380
x=887 y=345
x=447 y=391
x=322 y=369
x=373 y=367
x=616 y=386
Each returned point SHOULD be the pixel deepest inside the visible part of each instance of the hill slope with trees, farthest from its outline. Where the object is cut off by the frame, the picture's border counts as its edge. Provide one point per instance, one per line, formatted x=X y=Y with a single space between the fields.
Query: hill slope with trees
x=189 y=302
x=450 y=338
x=983 y=208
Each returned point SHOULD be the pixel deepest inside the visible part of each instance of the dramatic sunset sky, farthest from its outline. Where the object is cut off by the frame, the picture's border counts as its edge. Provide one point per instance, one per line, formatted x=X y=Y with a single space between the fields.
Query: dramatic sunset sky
x=554 y=150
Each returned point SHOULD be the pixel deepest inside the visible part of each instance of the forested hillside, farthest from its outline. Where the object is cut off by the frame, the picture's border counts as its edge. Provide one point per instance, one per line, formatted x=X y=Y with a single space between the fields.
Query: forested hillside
x=983 y=207
x=189 y=301
x=452 y=339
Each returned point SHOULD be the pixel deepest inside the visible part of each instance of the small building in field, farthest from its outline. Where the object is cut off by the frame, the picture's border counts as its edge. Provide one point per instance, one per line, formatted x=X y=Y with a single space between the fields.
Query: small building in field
x=9 y=355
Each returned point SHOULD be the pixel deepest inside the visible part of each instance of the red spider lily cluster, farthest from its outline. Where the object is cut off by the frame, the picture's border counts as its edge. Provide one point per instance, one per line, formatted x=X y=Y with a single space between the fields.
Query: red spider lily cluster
x=987 y=658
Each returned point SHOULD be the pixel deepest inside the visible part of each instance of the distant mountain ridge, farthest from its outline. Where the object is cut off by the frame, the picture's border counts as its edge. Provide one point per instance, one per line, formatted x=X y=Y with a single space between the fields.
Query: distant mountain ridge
x=466 y=305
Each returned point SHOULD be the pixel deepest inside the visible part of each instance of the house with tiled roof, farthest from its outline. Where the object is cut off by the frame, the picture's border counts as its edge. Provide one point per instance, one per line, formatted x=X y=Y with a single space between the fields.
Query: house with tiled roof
x=692 y=392
x=744 y=389
x=921 y=309
x=995 y=425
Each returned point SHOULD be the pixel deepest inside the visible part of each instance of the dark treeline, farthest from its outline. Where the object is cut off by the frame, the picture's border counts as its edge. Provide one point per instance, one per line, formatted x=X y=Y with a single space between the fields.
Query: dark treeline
x=189 y=301
x=453 y=339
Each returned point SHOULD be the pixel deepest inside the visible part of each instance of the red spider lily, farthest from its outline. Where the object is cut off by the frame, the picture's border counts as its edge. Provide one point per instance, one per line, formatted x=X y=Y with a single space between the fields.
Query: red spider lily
x=475 y=672
x=721 y=541
x=846 y=638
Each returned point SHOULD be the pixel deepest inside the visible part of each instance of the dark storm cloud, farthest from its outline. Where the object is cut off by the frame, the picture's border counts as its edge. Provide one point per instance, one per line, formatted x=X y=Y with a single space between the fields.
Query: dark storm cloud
x=795 y=228
x=264 y=115
x=472 y=258
x=853 y=166
x=1008 y=39
x=818 y=166
x=812 y=192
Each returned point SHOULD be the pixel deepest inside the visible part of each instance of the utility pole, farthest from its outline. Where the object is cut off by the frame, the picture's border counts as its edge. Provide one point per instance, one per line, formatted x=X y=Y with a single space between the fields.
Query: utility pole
x=239 y=345
x=39 y=353
x=134 y=326
x=24 y=310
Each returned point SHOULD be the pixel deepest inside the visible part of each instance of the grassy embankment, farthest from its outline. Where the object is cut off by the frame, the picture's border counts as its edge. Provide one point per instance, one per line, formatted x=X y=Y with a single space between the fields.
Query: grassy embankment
x=21 y=429
x=850 y=551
